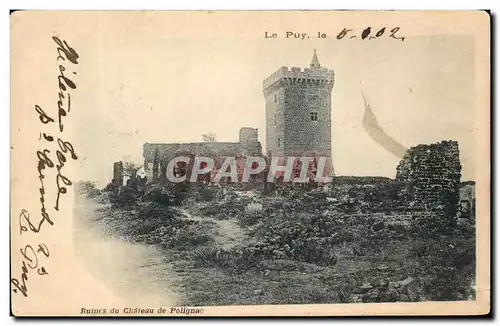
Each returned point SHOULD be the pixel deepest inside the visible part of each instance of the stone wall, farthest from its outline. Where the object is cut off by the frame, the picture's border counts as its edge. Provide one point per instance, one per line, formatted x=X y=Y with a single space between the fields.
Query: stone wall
x=249 y=142
x=468 y=199
x=302 y=135
x=433 y=173
x=157 y=155
x=118 y=173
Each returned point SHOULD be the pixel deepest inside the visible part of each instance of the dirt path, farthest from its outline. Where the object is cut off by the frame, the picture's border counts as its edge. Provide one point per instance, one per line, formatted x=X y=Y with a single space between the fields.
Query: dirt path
x=137 y=273
x=228 y=233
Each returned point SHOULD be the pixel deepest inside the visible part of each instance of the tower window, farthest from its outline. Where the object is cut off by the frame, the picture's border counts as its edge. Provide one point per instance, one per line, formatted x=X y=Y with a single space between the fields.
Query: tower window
x=275 y=98
x=278 y=142
x=275 y=118
x=314 y=116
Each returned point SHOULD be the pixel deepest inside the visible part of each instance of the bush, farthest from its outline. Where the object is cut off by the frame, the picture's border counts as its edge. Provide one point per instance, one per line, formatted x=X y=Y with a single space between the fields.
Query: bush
x=188 y=237
x=179 y=192
x=249 y=218
x=87 y=188
x=205 y=194
x=124 y=197
x=157 y=224
x=148 y=226
x=306 y=238
x=235 y=260
x=156 y=210
x=157 y=194
x=223 y=210
x=167 y=194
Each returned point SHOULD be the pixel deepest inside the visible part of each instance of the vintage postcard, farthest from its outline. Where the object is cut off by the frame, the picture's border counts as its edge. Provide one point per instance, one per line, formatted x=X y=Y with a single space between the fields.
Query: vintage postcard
x=250 y=163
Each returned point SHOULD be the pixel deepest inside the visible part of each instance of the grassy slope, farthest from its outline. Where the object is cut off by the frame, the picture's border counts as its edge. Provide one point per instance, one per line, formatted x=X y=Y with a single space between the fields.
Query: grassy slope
x=272 y=280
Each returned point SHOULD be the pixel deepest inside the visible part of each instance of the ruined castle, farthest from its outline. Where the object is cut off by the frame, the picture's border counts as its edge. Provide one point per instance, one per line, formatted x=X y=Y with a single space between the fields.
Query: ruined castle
x=432 y=173
x=298 y=122
x=157 y=155
x=298 y=111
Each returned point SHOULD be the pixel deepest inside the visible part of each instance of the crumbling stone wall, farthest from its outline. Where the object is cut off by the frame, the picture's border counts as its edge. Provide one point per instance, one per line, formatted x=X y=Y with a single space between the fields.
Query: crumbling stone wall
x=468 y=199
x=118 y=173
x=433 y=173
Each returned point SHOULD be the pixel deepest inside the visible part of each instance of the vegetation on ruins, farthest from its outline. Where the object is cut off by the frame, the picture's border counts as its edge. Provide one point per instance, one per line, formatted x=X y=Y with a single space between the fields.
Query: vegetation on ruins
x=299 y=244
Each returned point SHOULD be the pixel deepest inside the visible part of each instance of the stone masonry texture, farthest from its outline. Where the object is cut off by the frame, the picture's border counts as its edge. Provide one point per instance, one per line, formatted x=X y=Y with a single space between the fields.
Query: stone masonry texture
x=433 y=174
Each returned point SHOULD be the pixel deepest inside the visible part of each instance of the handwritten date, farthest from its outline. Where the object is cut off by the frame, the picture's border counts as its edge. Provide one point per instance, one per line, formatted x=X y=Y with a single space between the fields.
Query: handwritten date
x=367 y=33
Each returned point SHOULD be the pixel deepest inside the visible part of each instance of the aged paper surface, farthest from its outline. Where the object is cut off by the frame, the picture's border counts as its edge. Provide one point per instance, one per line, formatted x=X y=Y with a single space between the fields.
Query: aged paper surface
x=146 y=153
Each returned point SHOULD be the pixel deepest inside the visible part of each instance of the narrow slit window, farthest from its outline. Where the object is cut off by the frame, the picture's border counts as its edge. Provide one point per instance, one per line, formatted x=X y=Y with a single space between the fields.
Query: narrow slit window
x=314 y=116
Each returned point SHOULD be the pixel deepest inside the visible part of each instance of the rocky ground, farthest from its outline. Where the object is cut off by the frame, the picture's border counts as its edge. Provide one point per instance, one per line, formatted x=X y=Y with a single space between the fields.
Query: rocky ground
x=227 y=246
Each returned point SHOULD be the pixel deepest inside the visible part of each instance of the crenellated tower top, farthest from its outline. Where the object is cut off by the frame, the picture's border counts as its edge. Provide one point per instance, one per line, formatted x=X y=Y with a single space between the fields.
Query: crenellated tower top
x=294 y=75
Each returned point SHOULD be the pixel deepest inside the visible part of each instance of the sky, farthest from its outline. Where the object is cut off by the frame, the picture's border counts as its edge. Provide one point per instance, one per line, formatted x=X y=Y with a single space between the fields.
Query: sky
x=144 y=78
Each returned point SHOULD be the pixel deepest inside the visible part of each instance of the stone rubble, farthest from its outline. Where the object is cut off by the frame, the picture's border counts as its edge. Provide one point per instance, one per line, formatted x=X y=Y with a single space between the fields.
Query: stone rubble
x=433 y=175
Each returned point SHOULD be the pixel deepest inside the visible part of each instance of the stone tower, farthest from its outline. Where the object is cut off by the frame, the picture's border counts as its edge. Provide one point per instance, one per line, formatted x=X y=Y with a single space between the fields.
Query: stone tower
x=298 y=111
x=249 y=142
